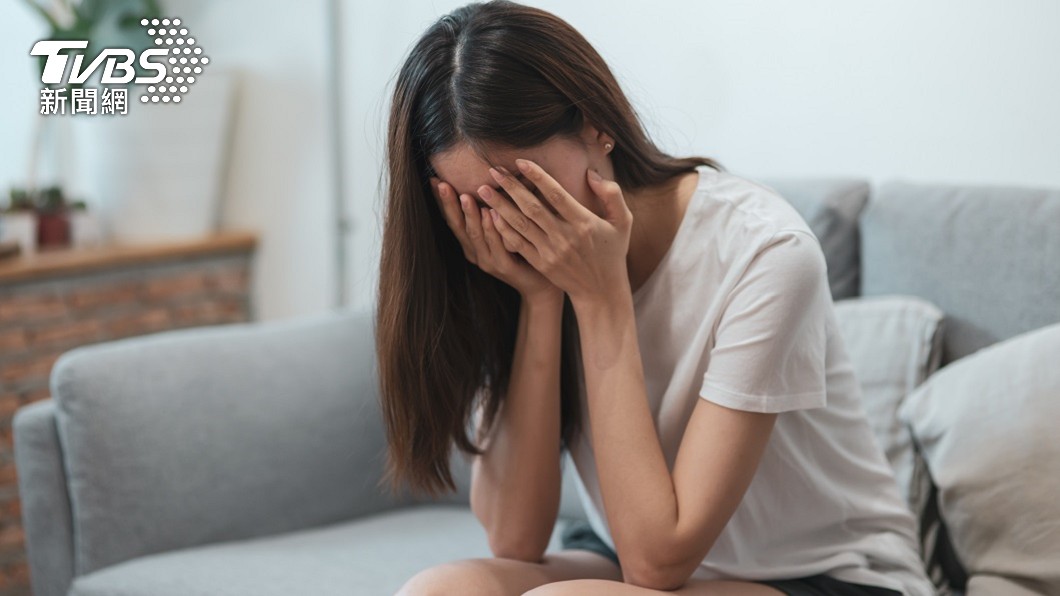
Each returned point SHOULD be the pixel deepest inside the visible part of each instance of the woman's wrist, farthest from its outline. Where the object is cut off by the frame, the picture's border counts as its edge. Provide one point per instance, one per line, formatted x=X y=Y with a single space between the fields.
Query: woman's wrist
x=550 y=298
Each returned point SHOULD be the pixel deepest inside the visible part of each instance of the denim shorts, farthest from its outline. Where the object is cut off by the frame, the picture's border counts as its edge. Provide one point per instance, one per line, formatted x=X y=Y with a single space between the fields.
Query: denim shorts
x=580 y=535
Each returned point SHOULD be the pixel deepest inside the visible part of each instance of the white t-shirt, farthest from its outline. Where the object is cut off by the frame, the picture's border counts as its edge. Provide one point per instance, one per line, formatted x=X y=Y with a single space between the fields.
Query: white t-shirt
x=739 y=312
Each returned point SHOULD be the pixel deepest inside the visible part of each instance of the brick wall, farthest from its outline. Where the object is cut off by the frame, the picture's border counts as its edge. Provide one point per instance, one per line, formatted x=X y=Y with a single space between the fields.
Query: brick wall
x=40 y=319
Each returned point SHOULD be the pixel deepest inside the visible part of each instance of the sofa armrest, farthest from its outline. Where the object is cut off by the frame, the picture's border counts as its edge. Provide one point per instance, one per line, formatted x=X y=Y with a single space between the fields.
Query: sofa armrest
x=44 y=501
x=206 y=434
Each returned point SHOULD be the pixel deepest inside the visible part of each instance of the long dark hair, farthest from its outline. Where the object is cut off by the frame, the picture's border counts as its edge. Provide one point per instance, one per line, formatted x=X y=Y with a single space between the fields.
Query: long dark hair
x=487 y=74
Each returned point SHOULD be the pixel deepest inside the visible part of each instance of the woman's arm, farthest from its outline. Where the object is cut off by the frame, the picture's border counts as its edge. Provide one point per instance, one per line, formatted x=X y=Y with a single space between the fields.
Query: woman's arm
x=663 y=525
x=515 y=485
x=773 y=340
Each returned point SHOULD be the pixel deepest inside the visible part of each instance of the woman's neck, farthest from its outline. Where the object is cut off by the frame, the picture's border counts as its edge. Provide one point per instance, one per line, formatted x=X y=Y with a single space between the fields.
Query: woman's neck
x=657 y=214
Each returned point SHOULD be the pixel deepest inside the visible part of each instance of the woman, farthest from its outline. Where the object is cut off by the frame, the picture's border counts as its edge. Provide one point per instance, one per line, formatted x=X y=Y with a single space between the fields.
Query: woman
x=666 y=324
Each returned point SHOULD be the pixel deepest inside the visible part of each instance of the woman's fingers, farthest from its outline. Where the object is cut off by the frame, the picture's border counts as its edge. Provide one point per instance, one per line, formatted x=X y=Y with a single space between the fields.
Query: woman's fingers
x=451 y=210
x=493 y=237
x=514 y=241
x=556 y=196
x=503 y=231
x=504 y=259
x=483 y=234
x=473 y=222
x=519 y=213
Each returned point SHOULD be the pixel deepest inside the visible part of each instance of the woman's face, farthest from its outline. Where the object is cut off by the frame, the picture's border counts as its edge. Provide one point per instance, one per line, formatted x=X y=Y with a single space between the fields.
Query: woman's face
x=563 y=159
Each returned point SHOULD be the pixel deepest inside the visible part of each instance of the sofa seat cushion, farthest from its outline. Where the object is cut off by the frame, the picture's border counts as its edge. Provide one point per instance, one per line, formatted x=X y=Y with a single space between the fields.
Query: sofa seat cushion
x=372 y=555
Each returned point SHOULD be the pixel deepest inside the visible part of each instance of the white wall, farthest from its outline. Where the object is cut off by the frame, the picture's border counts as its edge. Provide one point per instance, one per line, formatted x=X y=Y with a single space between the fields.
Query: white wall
x=281 y=176
x=19 y=86
x=376 y=37
x=941 y=91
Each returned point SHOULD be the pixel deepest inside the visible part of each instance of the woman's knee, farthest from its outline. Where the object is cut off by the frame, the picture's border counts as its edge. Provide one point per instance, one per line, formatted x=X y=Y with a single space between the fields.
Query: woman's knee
x=576 y=587
x=473 y=577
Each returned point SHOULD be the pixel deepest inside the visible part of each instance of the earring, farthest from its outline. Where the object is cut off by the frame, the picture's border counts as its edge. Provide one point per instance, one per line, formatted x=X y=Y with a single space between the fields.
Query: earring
x=607 y=146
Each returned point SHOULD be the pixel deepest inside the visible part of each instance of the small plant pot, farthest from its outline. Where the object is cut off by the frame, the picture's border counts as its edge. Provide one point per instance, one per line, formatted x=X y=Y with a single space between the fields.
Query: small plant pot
x=53 y=229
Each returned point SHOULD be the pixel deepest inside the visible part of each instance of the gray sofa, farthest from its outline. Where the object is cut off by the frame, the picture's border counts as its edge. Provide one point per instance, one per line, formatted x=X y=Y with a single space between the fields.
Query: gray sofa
x=244 y=458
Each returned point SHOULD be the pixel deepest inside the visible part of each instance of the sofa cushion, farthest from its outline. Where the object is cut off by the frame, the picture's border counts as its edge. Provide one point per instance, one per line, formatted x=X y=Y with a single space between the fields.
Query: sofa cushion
x=986 y=426
x=894 y=344
x=986 y=255
x=373 y=555
x=831 y=207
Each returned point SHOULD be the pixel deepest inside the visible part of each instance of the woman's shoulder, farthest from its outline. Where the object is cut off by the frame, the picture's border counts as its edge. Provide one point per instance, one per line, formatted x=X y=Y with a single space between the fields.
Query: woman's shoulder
x=748 y=215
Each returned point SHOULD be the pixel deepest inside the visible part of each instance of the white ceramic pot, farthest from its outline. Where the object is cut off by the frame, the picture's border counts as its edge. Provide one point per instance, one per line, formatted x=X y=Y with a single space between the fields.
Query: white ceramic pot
x=157 y=172
x=20 y=226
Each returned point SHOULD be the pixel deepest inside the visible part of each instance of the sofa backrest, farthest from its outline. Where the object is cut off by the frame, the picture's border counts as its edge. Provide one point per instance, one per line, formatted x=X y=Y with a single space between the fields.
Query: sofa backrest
x=206 y=434
x=980 y=253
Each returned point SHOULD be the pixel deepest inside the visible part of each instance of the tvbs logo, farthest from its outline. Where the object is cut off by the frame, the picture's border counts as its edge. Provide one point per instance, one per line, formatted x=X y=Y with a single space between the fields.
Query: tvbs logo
x=116 y=59
x=168 y=70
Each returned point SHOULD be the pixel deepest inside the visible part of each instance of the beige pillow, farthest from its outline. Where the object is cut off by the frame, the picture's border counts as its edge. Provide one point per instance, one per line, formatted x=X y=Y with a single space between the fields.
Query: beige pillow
x=894 y=343
x=987 y=427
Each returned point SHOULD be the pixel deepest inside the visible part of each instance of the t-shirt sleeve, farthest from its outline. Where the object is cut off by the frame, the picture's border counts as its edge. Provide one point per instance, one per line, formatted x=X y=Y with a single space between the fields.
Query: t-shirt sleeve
x=769 y=353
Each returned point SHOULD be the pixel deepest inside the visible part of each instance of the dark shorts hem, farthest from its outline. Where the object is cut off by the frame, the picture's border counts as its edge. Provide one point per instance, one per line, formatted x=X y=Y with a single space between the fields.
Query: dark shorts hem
x=578 y=534
x=825 y=585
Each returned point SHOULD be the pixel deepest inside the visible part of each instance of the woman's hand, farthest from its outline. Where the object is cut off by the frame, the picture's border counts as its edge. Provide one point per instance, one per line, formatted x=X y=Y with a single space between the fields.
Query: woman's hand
x=483 y=246
x=580 y=253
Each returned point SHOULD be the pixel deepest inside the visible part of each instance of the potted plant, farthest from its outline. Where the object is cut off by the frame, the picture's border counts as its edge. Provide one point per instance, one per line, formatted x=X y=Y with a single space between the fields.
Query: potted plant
x=104 y=23
x=53 y=227
x=45 y=218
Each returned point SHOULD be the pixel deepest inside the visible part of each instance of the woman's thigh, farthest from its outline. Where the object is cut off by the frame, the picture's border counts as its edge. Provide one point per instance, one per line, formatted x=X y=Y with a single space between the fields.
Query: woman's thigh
x=501 y=577
x=694 y=587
